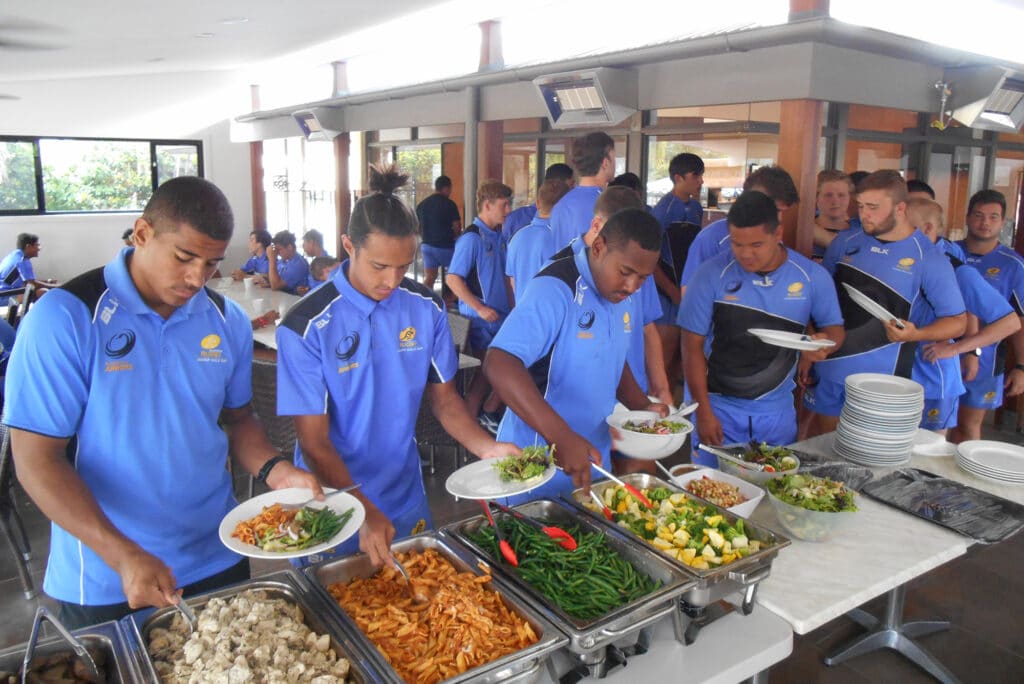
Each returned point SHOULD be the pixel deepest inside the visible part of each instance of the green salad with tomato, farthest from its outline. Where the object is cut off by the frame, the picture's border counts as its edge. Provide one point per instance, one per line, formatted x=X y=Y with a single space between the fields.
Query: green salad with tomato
x=812 y=493
x=775 y=459
x=525 y=467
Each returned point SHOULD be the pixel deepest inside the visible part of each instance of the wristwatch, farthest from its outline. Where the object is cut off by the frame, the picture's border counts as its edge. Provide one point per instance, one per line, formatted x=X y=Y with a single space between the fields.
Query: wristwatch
x=264 y=472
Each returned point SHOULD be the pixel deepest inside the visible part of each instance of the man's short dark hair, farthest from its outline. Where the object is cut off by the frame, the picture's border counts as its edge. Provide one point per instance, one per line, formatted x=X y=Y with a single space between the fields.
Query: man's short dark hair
x=628 y=180
x=26 y=239
x=442 y=182
x=314 y=235
x=263 y=237
x=987 y=197
x=857 y=176
x=775 y=182
x=632 y=225
x=614 y=199
x=128 y=232
x=284 y=238
x=193 y=201
x=590 y=151
x=558 y=171
x=320 y=264
x=685 y=163
x=549 y=193
x=754 y=208
x=915 y=185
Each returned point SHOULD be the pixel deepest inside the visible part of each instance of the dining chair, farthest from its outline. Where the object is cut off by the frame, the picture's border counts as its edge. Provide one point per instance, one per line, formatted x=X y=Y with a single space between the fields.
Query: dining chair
x=429 y=432
x=10 y=520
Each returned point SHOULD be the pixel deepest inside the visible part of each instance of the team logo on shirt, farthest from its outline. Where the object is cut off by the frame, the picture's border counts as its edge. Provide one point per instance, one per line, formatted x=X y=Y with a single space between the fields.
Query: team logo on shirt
x=795 y=290
x=733 y=286
x=904 y=264
x=933 y=414
x=407 y=340
x=992 y=272
x=348 y=347
x=990 y=396
x=627 y=325
x=210 y=351
x=851 y=251
x=586 y=320
x=117 y=347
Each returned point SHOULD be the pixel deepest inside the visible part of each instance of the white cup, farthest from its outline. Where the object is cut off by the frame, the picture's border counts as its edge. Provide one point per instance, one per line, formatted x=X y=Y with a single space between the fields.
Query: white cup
x=257 y=305
x=250 y=285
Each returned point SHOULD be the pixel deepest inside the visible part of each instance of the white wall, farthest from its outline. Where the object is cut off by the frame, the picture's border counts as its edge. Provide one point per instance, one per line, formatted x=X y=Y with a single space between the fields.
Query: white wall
x=195 y=106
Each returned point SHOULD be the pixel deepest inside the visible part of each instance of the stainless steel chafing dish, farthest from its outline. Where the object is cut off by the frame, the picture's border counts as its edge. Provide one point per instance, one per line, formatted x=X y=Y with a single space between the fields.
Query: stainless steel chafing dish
x=743 y=575
x=284 y=584
x=105 y=638
x=526 y=665
x=588 y=639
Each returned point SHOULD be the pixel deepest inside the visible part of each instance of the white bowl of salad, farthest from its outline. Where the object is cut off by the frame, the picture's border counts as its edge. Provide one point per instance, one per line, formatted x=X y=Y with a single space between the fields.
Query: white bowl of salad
x=811 y=508
x=647 y=436
x=722 y=489
x=758 y=463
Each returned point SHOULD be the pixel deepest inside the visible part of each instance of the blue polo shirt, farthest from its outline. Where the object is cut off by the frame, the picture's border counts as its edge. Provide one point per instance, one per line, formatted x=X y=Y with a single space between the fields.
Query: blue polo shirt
x=311 y=282
x=571 y=215
x=256 y=264
x=365 y=365
x=576 y=341
x=15 y=270
x=1003 y=270
x=711 y=241
x=646 y=309
x=910 y=278
x=951 y=249
x=293 y=272
x=724 y=301
x=670 y=209
x=143 y=396
x=516 y=220
x=479 y=259
x=528 y=252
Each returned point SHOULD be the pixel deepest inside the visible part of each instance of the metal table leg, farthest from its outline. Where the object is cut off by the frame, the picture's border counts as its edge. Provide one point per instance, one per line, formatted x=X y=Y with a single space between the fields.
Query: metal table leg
x=892 y=632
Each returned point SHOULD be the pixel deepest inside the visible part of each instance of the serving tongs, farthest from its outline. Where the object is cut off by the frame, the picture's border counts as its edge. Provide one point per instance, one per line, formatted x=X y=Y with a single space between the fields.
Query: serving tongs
x=564 y=539
x=722 y=453
x=600 y=504
x=628 y=487
x=187 y=613
x=416 y=596
x=43 y=614
x=506 y=549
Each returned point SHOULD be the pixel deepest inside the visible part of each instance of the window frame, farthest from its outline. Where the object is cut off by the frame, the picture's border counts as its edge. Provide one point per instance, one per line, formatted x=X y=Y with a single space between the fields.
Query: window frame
x=153 y=143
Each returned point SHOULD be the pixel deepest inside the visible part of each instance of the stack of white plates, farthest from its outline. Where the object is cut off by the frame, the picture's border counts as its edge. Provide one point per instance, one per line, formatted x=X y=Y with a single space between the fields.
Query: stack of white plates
x=879 y=419
x=996 y=461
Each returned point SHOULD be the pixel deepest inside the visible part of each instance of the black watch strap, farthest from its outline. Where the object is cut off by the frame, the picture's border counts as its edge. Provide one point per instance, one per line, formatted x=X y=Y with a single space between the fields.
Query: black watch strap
x=269 y=465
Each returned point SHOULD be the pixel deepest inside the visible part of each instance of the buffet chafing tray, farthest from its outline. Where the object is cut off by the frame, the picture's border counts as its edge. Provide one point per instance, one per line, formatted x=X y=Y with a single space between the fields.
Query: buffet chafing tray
x=589 y=638
x=284 y=584
x=106 y=637
x=522 y=666
x=743 y=575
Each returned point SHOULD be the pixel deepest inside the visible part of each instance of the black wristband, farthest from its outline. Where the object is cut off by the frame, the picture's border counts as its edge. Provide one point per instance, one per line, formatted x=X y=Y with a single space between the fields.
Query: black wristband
x=268 y=466
x=1019 y=366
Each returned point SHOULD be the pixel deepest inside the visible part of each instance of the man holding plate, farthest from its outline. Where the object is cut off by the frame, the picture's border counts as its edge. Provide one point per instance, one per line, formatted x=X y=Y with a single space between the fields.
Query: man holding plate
x=744 y=383
x=151 y=373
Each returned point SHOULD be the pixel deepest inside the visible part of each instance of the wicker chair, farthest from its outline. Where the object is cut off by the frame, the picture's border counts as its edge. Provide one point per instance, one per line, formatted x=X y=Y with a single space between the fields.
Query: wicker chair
x=429 y=432
x=280 y=429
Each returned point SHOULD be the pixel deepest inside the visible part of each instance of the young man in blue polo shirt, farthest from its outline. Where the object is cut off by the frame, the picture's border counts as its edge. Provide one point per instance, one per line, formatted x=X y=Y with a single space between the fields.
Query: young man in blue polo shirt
x=743 y=384
x=895 y=265
x=257 y=264
x=354 y=359
x=593 y=157
x=151 y=372
x=1003 y=269
x=16 y=268
x=477 y=277
x=572 y=331
x=287 y=270
x=440 y=224
x=522 y=216
x=532 y=246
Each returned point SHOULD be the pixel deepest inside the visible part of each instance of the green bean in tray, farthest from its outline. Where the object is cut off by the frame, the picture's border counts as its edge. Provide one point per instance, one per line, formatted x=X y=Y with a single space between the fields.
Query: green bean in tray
x=586 y=583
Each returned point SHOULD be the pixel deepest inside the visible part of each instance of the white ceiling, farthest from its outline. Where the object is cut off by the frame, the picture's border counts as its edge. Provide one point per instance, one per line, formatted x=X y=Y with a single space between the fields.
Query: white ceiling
x=59 y=39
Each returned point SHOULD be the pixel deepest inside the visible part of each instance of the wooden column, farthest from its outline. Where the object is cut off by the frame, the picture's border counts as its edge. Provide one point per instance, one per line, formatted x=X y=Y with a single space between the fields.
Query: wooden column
x=342 y=187
x=490 y=149
x=259 y=197
x=799 y=143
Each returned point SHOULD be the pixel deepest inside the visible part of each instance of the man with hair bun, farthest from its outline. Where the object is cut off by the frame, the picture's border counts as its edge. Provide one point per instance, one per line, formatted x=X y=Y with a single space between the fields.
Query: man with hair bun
x=354 y=359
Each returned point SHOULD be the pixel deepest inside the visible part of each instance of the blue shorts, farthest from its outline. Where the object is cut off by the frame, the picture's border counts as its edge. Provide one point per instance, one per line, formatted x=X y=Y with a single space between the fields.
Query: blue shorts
x=481 y=333
x=414 y=520
x=776 y=428
x=437 y=256
x=940 y=414
x=984 y=393
x=669 y=311
x=826 y=398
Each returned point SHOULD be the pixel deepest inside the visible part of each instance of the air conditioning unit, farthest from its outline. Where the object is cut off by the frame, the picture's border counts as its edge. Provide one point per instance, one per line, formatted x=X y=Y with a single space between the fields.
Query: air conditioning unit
x=320 y=123
x=594 y=97
x=987 y=97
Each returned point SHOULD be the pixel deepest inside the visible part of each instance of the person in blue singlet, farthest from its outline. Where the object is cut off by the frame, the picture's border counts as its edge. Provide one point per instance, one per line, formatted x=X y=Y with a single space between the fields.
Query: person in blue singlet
x=895 y=265
x=355 y=358
x=1003 y=269
x=593 y=158
x=572 y=331
x=744 y=384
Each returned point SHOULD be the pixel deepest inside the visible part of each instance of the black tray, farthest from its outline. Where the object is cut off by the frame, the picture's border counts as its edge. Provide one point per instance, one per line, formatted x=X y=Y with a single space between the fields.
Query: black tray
x=982 y=516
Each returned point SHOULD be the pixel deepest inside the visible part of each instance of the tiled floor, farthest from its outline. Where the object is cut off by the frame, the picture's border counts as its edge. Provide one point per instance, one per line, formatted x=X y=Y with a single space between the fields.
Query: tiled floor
x=982 y=593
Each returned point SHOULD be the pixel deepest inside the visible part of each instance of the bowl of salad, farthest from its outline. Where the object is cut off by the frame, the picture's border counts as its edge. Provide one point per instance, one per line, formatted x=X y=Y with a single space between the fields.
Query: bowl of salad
x=647 y=436
x=756 y=462
x=722 y=489
x=811 y=508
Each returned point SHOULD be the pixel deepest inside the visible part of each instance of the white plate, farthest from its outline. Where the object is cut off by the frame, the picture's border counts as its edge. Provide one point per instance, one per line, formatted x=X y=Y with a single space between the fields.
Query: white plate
x=998 y=457
x=781 y=338
x=250 y=508
x=890 y=388
x=869 y=305
x=480 y=480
